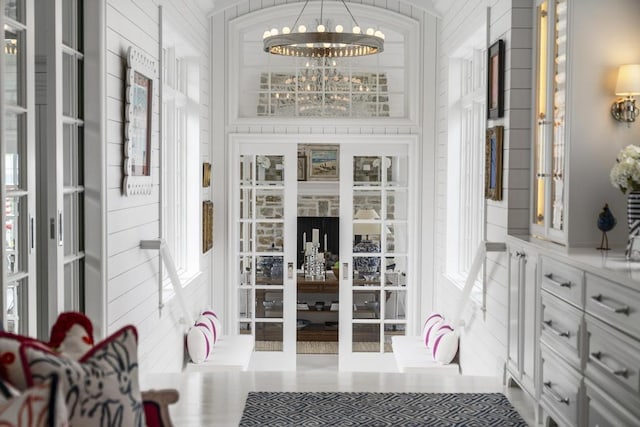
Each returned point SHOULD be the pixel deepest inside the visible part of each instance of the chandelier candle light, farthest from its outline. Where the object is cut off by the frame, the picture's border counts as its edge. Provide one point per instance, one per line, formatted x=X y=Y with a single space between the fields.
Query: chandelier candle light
x=323 y=43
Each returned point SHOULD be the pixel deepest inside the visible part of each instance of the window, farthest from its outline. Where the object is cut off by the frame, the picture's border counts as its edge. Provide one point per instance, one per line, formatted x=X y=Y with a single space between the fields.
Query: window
x=465 y=169
x=180 y=148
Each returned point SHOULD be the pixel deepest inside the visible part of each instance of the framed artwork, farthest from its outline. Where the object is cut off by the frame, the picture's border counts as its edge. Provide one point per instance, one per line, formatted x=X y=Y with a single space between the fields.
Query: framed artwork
x=323 y=163
x=140 y=80
x=302 y=167
x=207 y=225
x=493 y=164
x=206 y=174
x=495 y=81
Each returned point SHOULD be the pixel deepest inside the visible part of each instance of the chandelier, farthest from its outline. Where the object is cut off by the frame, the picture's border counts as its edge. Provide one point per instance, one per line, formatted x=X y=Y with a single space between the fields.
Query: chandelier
x=323 y=43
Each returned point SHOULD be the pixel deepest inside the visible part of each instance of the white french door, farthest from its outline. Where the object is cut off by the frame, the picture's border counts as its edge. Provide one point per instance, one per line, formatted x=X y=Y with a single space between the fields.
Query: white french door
x=61 y=160
x=17 y=146
x=263 y=268
x=376 y=198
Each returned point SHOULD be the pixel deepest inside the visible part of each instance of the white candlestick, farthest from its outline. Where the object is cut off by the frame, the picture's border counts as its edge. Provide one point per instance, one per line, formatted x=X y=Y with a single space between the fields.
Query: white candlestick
x=325 y=242
x=308 y=247
x=315 y=233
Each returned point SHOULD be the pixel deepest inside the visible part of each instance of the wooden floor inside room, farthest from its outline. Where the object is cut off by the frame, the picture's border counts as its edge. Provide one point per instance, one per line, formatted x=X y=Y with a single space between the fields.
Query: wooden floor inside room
x=217 y=398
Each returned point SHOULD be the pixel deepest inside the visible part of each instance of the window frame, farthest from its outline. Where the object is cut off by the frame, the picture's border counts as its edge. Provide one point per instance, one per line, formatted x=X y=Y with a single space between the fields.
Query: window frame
x=466 y=207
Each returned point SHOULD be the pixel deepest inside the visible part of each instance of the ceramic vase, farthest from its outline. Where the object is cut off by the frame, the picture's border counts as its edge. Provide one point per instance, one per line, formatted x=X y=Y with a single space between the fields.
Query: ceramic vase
x=633 y=219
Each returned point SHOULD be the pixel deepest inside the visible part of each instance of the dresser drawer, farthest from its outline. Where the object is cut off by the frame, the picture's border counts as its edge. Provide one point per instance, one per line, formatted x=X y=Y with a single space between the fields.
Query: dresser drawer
x=561 y=326
x=562 y=389
x=613 y=303
x=563 y=280
x=604 y=410
x=614 y=358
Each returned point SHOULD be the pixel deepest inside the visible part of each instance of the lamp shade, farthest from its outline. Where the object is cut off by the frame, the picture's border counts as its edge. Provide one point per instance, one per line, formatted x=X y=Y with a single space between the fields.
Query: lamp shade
x=364 y=229
x=628 y=80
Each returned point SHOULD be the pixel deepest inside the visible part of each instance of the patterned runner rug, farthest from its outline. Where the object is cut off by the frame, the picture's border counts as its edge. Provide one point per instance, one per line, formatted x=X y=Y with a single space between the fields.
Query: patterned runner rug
x=378 y=409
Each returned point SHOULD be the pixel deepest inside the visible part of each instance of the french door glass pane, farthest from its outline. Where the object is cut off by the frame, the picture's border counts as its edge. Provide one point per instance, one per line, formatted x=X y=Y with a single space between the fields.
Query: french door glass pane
x=16 y=301
x=366 y=338
x=73 y=223
x=396 y=204
x=13 y=63
x=14 y=9
x=68 y=15
x=15 y=234
x=269 y=336
x=391 y=331
x=69 y=81
x=245 y=307
x=269 y=235
x=68 y=150
x=269 y=169
x=269 y=270
x=269 y=204
x=366 y=304
x=73 y=285
x=14 y=155
x=367 y=204
x=268 y=304
x=395 y=305
x=246 y=239
x=396 y=238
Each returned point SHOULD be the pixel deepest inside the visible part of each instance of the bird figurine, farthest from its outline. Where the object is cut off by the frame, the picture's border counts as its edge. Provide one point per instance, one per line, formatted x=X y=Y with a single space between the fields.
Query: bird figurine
x=606 y=222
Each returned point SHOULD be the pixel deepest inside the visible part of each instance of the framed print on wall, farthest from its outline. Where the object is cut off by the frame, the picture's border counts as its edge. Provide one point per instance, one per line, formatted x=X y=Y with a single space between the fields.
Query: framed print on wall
x=323 y=163
x=493 y=164
x=140 y=80
x=495 y=81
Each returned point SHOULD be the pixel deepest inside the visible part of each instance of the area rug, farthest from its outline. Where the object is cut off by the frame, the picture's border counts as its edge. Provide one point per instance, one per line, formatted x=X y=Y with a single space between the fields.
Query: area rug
x=378 y=409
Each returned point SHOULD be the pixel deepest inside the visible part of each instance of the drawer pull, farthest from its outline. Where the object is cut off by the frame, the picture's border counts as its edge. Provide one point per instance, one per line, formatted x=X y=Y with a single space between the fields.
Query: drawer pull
x=555 y=394
x=549 y=324
x=551 y=280
x=598 y=300
x=597 y=358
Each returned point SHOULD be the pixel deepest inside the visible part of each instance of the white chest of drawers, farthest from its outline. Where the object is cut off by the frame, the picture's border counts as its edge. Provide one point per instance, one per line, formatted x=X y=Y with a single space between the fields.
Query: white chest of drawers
x=589 y=335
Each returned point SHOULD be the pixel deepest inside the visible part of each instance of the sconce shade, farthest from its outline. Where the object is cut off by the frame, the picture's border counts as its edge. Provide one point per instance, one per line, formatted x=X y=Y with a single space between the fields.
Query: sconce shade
x=628 y=80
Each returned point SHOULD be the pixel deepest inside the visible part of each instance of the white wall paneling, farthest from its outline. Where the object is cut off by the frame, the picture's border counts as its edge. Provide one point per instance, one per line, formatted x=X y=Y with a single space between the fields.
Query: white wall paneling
x=132 y=274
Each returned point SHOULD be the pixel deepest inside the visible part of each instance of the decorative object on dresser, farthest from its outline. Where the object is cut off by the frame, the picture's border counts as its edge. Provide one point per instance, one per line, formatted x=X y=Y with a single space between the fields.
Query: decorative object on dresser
x=606 y=222
x=495 y=81
x=625 y=175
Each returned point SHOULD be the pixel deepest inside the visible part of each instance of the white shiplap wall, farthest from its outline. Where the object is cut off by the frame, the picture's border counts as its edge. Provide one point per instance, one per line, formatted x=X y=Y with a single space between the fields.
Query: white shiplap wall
x=483 y=340
x=423 y=125
x=133 y=274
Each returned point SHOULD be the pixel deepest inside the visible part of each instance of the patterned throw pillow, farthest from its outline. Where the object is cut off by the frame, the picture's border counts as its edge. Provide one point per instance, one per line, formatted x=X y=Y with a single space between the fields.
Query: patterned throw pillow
x=39 y=406
x=102 y=388
x=10 y=366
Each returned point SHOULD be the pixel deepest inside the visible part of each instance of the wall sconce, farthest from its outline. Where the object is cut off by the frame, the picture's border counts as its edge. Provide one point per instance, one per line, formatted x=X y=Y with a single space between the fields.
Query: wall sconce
x=624 y=109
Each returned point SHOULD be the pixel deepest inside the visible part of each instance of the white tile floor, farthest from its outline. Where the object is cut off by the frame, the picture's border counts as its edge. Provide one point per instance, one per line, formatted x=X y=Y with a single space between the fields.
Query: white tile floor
x=217 y=398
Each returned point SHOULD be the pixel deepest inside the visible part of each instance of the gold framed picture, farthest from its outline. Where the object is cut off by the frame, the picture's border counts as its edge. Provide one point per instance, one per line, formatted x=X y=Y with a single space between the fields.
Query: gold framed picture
x=493 y=163
x=323 y=163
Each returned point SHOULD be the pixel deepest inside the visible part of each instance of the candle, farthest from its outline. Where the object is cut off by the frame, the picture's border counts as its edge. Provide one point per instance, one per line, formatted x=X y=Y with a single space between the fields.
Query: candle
x=304 y=239
x=325 y=242
x=308 y=246
x=315 y=236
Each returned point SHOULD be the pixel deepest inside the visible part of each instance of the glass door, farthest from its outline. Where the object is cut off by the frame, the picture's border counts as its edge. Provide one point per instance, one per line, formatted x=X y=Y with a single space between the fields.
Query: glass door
x=549 y=148
x=264 y=211
x=375 y=194
x=17 y=133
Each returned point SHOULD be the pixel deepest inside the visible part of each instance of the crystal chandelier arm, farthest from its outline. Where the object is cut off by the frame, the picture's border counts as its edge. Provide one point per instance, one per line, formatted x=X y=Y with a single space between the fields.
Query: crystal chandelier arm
x=351 y=14
x=299 y=15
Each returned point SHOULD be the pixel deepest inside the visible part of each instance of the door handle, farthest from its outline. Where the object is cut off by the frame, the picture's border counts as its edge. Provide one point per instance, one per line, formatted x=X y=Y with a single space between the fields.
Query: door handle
x=345 y=270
